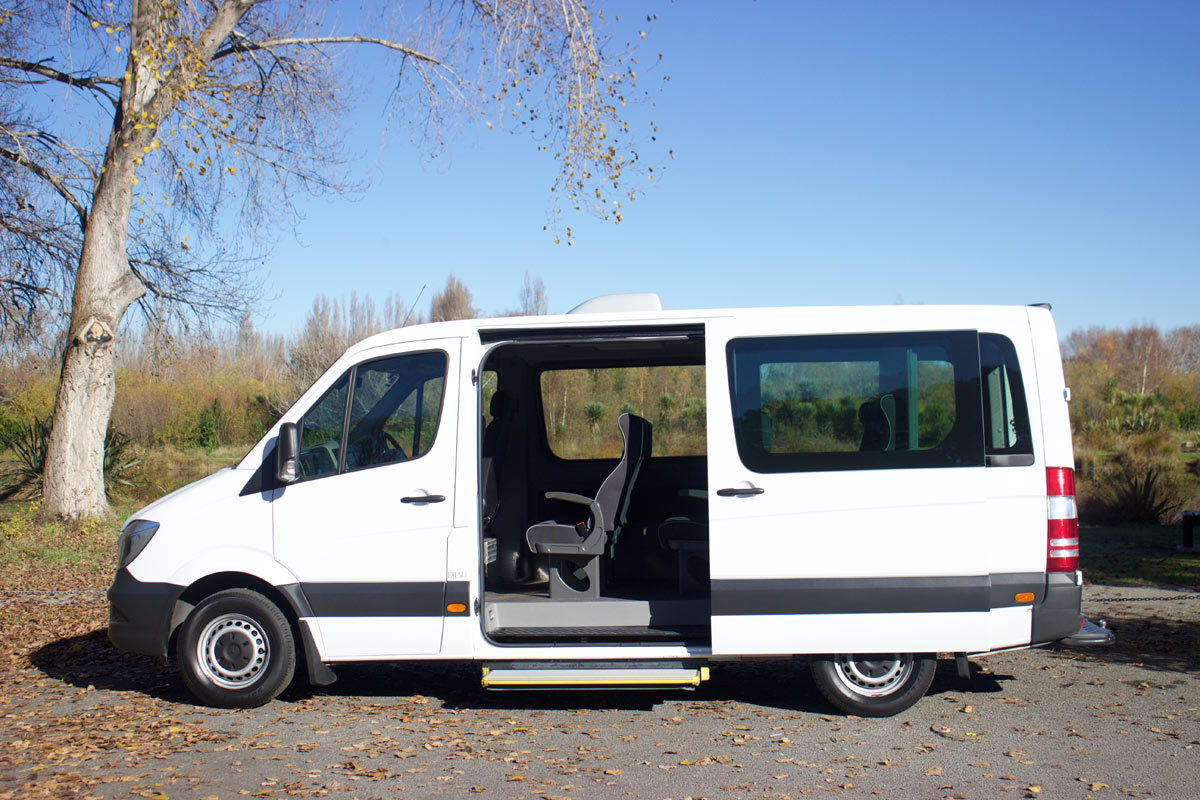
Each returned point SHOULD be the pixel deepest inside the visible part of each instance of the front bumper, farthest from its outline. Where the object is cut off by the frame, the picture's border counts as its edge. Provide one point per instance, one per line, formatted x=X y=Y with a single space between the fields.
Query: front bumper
x=139 y=614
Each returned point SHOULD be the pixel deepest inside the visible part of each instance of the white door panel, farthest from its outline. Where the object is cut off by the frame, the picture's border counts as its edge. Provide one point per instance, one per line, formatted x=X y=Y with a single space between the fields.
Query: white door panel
x=847 y=524
x=845 y=559
x=369 y=546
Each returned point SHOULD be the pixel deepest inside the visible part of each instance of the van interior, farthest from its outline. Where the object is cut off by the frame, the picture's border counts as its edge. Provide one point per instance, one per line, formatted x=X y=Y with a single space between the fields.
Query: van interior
x=593 y=487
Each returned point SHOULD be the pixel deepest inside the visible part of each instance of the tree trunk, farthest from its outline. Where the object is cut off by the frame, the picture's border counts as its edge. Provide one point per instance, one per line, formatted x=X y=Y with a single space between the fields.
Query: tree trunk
x=73 y=485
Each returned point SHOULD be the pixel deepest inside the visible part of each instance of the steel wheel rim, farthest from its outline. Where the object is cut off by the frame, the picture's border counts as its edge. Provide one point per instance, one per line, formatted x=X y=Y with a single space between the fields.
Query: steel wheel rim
x=873 y=677
x=233 y=651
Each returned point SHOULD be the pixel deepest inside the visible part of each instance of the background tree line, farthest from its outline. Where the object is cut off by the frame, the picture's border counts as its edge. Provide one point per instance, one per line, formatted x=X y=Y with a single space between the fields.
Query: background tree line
x=1135 y=407
x=1135 y=414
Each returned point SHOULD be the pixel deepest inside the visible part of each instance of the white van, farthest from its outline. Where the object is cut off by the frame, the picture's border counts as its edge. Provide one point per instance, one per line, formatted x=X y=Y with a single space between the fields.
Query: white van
x=622 y=496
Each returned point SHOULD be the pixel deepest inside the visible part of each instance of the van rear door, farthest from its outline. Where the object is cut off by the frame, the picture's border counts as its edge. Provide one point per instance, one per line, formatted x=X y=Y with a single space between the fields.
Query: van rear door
x=846 y=472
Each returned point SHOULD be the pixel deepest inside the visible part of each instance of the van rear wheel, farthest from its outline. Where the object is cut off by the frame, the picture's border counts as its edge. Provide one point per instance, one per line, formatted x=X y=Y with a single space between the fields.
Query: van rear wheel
x=873 y=685
x=236 y=650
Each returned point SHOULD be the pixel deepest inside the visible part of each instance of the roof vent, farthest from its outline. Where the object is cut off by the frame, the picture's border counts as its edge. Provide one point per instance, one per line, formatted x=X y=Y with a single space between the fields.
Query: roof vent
x=610 y=303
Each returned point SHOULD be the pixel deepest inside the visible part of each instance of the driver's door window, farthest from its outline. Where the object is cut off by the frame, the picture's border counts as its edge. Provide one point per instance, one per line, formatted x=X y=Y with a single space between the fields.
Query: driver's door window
x=394 y=408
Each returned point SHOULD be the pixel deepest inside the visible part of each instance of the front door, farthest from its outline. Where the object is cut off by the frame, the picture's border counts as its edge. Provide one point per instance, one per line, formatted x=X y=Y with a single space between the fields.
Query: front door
x=845 y=485
x=365 y=526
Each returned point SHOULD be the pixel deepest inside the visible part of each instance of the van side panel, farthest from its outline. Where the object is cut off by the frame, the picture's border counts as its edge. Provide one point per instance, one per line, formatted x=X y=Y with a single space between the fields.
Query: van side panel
x=1014 y=524
x=1051 y=386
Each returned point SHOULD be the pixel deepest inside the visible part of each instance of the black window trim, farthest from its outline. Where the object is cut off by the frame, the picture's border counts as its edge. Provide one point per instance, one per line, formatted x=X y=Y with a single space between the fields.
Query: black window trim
x=1022 y=453
x=970 y=446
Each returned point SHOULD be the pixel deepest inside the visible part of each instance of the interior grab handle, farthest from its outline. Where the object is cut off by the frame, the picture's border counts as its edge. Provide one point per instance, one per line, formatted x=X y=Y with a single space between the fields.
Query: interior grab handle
x=422 y=499
x=740 y=491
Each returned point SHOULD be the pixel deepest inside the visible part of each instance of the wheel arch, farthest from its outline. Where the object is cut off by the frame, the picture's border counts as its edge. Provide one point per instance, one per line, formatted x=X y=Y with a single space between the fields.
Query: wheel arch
x=289 y=598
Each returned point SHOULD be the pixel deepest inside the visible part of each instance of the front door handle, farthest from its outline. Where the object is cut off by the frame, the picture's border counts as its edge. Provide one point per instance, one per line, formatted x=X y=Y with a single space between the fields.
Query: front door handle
x=422 y=499
x=741 y=491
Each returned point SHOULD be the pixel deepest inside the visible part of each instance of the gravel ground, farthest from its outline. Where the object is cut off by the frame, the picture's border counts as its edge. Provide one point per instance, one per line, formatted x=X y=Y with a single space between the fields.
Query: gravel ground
x=78 y=719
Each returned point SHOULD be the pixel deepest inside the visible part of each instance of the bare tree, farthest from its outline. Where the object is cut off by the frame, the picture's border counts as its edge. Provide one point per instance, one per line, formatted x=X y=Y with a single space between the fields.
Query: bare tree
x=533 y=297
x=333 y=325
x=452 y=302
x=1183 y=350
x=125 y=125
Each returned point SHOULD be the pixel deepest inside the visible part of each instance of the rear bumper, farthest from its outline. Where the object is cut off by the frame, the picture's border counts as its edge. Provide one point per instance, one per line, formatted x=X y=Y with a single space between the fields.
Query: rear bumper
x=1058 y=614
x=1058 y=617
x=139 y=614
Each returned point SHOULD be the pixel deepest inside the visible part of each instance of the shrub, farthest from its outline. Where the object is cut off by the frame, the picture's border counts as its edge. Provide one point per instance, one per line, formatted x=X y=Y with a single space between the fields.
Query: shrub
x=120 y=469
x=30 y=444
x=10 y=425
x=1143 y=481
x=594 y=412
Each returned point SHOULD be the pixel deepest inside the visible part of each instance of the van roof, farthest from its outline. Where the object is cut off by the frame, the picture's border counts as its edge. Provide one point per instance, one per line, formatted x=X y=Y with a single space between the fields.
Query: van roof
x=583 y=317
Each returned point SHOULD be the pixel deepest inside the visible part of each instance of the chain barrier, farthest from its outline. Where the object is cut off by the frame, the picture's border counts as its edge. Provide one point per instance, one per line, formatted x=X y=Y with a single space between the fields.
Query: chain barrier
x=1155 y=599
x=52 y=592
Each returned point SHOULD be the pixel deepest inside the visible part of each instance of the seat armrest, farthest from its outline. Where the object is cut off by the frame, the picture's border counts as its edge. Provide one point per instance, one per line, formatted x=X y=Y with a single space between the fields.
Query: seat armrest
x=695 y=494
x=570 y=497
x=583 y=548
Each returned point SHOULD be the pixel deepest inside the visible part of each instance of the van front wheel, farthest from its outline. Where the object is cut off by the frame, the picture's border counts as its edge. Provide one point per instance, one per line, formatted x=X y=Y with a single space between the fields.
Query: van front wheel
x=236 y=650
x=873 y=685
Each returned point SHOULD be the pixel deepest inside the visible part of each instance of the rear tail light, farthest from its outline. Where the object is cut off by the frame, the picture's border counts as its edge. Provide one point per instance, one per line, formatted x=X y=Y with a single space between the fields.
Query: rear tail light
x=1062 y=521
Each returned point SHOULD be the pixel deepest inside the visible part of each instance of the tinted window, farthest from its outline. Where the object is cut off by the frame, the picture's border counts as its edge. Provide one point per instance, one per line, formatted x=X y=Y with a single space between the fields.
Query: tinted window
x=581 y=407
x=859 y=401
x=394 y=407
x=321 y=432
x=1005 y=414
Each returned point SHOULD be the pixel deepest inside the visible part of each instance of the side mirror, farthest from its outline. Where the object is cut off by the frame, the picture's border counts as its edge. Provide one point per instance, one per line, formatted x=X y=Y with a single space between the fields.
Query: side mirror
x=286 y=450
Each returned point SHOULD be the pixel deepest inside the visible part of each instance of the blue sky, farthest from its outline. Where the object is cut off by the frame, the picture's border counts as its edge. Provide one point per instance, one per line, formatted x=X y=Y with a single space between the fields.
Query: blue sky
x=826 y=153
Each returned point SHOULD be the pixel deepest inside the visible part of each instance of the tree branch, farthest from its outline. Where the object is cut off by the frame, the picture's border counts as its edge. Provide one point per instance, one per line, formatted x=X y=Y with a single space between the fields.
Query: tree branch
x=50 y=178
x=97 y=82
x=244 y=44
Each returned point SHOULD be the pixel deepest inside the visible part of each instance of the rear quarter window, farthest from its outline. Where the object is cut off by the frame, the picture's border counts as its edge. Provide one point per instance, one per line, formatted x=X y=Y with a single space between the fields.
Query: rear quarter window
x=1007 y=437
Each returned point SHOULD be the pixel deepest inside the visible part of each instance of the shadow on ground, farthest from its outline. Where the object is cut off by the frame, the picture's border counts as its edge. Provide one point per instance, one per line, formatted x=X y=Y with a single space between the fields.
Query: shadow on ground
x=1150 y=639
x=91 y=660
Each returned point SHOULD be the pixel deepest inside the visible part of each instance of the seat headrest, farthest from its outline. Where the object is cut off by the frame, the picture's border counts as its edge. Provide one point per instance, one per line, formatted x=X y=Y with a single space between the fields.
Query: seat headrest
x=500 y=404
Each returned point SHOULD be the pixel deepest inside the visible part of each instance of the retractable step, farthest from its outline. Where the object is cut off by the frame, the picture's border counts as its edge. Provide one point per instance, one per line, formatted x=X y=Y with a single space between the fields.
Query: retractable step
x=592 y=676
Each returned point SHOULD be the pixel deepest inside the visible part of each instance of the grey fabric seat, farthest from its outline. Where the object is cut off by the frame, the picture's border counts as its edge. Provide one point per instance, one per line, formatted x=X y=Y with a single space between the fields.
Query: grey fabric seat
x=574 y=546
x=493 y=450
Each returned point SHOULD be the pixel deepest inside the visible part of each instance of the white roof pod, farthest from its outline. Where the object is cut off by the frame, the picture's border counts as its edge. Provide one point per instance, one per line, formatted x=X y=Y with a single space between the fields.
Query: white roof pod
x=610 y=303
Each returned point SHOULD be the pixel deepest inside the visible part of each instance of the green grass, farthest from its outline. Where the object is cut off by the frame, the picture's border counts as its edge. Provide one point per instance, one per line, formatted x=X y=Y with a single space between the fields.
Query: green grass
x=46 y=554
x=1137 y=555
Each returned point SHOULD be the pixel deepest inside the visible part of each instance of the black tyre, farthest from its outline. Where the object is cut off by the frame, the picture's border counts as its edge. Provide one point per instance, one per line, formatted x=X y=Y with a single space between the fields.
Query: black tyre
x=236 y=650
x=873 y=685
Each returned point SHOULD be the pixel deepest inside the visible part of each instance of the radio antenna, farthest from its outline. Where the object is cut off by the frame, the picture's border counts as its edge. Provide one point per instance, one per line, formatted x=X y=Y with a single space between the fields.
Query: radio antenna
x=413 y=306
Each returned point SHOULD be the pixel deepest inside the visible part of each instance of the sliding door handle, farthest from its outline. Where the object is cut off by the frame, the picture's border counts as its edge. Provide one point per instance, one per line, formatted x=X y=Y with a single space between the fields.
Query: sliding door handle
x=741 y=491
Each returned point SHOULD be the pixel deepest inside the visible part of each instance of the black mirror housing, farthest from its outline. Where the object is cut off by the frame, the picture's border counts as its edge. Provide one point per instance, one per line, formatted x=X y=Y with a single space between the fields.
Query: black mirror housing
x=286 y=452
